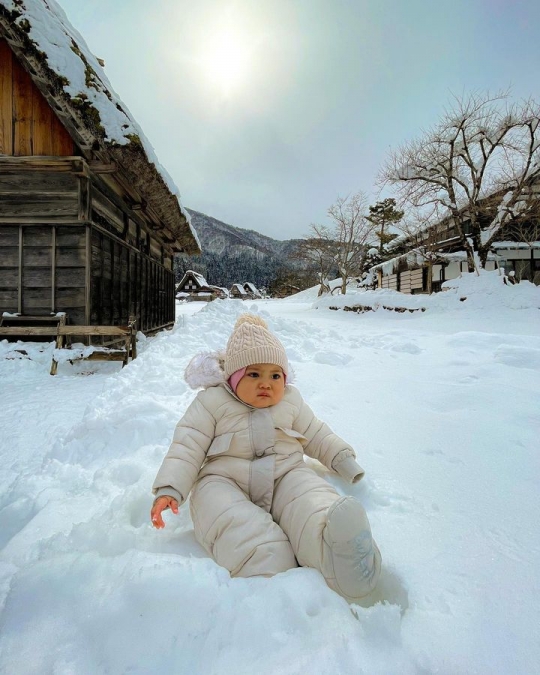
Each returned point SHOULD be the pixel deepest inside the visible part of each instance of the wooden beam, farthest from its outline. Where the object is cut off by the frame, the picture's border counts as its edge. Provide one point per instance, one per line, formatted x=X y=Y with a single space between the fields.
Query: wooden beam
x=73 y=164
x=53 y=269
x=102 y=167
x=38 y=331
x=93 y=330
x=20 y=279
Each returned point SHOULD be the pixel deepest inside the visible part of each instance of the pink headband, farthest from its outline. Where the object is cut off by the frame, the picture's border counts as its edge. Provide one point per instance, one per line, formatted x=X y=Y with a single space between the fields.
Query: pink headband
x=235 y=378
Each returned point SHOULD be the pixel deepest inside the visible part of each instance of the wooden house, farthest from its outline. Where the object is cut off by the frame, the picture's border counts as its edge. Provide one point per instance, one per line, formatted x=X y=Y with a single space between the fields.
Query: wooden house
x=422 y=262
x=238 y=292
x=252 y=291
x=193 y=286
x=89 y=221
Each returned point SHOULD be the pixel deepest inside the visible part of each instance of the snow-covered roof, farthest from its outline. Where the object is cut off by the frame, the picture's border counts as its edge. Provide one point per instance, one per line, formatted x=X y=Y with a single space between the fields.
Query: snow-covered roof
x=251 y=288
x=196 y=276
x=239 y=288
x=416 y=258
x=515 y=245
x=74 y=83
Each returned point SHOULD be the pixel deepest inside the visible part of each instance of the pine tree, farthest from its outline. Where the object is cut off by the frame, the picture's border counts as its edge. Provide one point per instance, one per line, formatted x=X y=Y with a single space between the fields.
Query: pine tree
x=382 y=215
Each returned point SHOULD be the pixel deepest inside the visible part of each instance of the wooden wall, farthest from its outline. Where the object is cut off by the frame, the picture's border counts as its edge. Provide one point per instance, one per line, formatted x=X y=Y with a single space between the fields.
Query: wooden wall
x=42 y=270
x=127 y=283
x=28 y=125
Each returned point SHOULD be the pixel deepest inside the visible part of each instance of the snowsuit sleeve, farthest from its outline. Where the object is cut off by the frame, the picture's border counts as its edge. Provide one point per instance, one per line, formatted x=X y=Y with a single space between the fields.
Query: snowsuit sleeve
x=192 y=438
x=326 y=446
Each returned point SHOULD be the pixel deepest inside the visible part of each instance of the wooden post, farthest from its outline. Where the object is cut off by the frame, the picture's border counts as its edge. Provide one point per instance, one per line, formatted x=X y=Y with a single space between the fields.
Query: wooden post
x=53 y=269
x=20 y=279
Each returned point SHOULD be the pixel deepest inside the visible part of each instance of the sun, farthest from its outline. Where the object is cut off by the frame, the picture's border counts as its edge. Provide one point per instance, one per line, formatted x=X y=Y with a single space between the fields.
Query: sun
x=225 y=59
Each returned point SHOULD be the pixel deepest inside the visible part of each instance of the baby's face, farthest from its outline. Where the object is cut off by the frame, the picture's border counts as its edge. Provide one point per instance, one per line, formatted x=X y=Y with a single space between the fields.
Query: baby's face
x=262 y=386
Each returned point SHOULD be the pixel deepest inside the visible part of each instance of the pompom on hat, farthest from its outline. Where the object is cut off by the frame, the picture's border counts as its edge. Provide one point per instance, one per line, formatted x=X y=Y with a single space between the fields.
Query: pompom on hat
x=251 y=342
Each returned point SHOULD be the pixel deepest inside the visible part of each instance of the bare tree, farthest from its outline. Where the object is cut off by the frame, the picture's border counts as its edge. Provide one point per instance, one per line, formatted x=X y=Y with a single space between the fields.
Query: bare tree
x=478 y=164
x=318 y=250
x=352 y=233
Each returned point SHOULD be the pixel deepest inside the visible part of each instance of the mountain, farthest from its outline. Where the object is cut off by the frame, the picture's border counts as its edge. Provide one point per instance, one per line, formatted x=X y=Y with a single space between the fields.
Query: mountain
x=219 y=237
x=234 y=255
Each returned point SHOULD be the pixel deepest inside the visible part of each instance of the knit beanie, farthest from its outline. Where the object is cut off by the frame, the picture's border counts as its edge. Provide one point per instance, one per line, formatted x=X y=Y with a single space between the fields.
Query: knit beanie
x=251 y=342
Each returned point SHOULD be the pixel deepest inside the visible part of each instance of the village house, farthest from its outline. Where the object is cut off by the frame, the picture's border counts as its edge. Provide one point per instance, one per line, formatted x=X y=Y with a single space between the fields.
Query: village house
x=238 y=292
x=89 y=221
x=193 y=286
x=423 y=261
x=252 y=291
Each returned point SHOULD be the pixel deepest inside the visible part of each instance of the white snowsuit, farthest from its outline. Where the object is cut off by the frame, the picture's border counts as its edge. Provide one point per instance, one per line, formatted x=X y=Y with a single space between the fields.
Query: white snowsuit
x=256 y=507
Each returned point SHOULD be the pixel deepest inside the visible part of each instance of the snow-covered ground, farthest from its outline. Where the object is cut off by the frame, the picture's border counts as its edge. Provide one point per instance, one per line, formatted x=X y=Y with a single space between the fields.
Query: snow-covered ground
x=443 y=407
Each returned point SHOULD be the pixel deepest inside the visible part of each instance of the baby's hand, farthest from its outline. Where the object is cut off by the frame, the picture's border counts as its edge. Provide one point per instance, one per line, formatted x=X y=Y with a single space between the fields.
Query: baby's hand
x=160 y=505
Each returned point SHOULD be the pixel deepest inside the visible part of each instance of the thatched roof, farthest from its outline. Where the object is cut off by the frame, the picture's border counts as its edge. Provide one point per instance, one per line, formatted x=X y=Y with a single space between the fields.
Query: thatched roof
x=72 y=80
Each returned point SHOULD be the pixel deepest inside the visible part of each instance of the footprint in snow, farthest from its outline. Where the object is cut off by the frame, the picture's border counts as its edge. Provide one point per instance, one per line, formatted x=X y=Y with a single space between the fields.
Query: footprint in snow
x=332 y=358
x=518 y=357
x=407 y=348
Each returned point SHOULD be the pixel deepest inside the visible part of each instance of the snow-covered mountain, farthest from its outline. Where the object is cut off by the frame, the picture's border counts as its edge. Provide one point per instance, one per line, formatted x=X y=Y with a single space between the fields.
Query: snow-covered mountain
x=219 y=237
x=234 y=255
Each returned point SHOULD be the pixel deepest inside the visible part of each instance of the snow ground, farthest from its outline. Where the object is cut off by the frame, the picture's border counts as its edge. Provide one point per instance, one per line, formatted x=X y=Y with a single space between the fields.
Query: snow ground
x=443 y=408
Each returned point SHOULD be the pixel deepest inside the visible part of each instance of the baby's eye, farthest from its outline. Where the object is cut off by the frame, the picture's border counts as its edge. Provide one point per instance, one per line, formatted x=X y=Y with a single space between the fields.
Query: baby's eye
x=276 y=376
x=253 y=374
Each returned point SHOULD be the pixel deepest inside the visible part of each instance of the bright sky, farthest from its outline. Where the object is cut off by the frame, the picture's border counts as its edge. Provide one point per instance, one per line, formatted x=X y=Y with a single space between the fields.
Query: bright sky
x=263 y=112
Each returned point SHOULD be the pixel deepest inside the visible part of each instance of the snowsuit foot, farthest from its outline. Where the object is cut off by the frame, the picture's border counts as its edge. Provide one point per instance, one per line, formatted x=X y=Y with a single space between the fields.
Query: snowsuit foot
x=328 y=532
x=354 y=557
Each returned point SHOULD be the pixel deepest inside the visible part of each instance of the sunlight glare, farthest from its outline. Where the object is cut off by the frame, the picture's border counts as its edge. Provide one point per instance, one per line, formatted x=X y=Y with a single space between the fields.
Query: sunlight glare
x=225 y=60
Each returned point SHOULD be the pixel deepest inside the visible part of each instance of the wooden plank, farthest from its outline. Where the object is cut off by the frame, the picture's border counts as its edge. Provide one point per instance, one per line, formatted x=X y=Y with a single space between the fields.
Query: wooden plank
x=11 y=331
x=20 y=265
x=84 y=198
x=53 y=268
x=37 y=236
x=22 y=111
x=71 y=163
x=9 y=300
x=36 y=299
x=68 y=298
x=44 y=206
x=6 y=99
x=70 y=257
x=104 y=208
x=88 y=275
x=62 y=143
x=70 y=277
x=41 y=125
x=70 y=237
x=37 y=277
x=38 y=220
x=94 y=330
x=29 y=318
x=36 y=257
x=9 y=236
x=9 y=277
x=38 y=182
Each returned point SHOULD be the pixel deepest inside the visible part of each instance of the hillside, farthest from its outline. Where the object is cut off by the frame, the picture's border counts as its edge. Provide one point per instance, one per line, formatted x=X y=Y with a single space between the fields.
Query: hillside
x=219 y=237
x=232 y=254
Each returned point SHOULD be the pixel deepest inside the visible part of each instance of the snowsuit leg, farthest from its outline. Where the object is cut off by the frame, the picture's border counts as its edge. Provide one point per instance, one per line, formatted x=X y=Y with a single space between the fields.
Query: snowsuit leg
x=328 y=532
x=239 y=535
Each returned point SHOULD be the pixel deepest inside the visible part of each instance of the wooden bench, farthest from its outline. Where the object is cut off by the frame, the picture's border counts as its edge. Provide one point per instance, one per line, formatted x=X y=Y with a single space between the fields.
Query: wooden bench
x=126 y=335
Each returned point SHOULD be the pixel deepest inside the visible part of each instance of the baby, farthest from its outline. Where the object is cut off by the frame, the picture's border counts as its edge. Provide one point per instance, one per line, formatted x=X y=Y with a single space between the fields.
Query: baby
x=256 y=507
